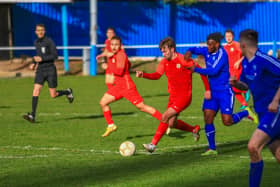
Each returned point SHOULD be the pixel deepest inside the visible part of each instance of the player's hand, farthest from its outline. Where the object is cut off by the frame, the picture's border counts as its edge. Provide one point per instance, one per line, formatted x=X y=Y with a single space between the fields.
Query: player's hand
x=109 y=78
x=207 y=94
x=109 y=54
x=139 y=74
x=104 y=66
x=191 y=68
x=273 y=106
x=97 y=57
x=32 y=66
x=232 y=80
x=187 y=55
x=37 y=59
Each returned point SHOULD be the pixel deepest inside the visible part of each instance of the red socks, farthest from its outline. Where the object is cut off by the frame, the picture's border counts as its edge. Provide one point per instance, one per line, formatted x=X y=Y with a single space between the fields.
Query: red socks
x=157 y=115
x=159 y=133
x=108 y=117
x=184 y=126
x=241 y=99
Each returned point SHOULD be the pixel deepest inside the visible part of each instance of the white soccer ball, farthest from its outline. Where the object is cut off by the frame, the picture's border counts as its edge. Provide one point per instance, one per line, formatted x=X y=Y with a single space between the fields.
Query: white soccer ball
x=127 y=148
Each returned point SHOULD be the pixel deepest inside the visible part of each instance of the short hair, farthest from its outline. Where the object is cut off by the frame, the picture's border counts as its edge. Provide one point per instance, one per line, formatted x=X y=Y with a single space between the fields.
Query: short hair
x=217 y=36
x=40 y=25
x=230 y=31
x=249 y=36
x=117 y=38
x=167 y=41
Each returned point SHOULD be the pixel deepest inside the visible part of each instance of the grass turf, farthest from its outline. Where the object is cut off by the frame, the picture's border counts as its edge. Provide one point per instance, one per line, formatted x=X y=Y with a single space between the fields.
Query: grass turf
x=65 y=147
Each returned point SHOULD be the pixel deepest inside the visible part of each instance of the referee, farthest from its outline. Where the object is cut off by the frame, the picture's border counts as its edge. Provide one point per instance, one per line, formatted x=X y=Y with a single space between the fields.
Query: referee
x=43 y=63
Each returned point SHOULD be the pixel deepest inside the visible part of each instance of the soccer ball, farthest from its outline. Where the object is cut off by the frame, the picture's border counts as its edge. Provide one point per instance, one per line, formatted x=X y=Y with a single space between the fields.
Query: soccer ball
x=127 y=148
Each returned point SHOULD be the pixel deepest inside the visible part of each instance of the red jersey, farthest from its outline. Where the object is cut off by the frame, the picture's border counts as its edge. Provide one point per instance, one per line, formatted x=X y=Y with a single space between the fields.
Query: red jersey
x=119 y=66
x=108 y=45
x=234 y=54
x=179 y=78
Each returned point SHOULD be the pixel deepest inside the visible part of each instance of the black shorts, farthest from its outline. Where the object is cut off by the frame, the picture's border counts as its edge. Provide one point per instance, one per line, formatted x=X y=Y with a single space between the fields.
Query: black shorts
x=46 y=74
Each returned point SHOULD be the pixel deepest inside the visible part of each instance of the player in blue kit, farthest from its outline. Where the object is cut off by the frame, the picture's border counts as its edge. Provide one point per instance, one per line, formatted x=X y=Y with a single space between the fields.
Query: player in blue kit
x=261 y=73
x=222 y=97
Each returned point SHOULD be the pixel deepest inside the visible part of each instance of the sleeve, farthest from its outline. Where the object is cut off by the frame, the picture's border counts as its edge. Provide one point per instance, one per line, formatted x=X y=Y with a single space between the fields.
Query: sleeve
x=271 y=65
x=216 y=67
x=156 y=75
x=204 y=80
x=52 y=55
x=121 y=61
x=199 y=50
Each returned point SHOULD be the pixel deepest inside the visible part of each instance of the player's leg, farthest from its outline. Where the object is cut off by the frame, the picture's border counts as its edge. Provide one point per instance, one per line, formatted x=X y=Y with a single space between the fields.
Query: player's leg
x=162 y=127
x=52 y=83
x=275 y=149
x=238 y=95
x=38 y=84
x=150 y=110
x=226 y=102
x=104 y=104
x=258 y=140
x=209 y=116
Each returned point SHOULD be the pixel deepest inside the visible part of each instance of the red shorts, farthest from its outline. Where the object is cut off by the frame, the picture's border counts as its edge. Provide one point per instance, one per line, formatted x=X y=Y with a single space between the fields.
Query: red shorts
x=179 y=102
x=131 y=94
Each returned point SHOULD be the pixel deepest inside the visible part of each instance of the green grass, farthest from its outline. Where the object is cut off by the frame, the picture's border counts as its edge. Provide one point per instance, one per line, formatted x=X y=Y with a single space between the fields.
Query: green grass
x=65 y=147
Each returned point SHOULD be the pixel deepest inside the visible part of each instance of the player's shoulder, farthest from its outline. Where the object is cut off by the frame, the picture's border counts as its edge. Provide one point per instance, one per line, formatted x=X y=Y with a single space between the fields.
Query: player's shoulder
x=121 y=54
x=263 y=57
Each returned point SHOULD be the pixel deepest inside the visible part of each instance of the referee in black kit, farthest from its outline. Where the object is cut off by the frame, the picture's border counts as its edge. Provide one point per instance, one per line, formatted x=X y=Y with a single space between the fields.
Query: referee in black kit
x=45 y=68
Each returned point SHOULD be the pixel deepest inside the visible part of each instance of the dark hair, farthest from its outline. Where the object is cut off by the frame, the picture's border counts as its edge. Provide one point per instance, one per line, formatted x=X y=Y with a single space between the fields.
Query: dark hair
x=117 y=38
x=250 y=36
x=40 y=25
x=217 y=36
x=230 y=31
x=167 y=41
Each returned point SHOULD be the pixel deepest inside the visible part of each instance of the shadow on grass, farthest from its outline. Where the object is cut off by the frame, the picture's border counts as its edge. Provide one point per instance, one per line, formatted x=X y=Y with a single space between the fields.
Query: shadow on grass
x=5 y=107
x=99 y=116
x=156 y=95
x=116 y=171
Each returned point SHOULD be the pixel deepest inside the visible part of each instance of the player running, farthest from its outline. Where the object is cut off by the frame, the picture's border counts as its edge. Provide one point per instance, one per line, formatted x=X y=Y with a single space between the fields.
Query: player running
x=179 y=87
x=261 y=73
x=235 y=68
x=222 y=97
x=122 y=86
x=43 y=63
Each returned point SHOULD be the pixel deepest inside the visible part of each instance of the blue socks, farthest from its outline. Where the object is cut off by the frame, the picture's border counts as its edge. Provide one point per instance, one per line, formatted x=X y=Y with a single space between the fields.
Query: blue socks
x=210 y=133
x=255 y=174
x=239 y=115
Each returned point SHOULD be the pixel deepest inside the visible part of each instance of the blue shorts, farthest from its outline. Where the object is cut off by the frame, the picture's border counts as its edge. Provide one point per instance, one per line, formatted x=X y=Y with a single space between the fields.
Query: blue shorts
x=222 y=100
x=270 y=124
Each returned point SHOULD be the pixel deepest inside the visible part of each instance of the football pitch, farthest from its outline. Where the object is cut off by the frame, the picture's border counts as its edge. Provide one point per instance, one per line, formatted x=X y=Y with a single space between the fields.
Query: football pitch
x=65 y=147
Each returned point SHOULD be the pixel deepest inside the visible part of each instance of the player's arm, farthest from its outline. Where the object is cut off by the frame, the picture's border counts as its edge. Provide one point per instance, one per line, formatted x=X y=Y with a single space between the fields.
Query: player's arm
x=237 y=64
x=215 y=68
x=152 y=76
x=274 y=105
x=207 y=93
x=238 y=83
x=196 y=51
x=52 y=55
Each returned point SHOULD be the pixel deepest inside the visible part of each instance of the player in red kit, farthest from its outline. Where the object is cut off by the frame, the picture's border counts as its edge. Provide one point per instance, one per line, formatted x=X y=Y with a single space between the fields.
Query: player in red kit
x=179 y=87
x=234 y=58
x=107 y=52
x=122 y=86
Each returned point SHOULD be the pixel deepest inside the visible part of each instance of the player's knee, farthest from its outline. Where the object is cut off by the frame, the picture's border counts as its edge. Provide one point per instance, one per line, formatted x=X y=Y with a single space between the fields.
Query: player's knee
x=53 y=95
x=141 y=107
x=253 y=150
x=227 y=122
x=36 y=92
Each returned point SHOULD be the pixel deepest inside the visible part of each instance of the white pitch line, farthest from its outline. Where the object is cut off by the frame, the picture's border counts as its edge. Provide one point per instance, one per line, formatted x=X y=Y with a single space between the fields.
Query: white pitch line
x=104 y=152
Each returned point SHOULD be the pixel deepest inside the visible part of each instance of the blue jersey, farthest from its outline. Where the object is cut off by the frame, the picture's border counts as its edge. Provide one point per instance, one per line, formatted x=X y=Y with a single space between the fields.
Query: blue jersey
x=262 y=75
x=217 y=68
